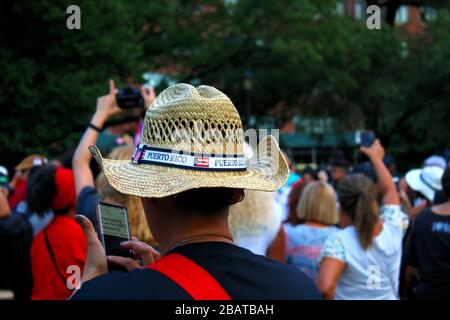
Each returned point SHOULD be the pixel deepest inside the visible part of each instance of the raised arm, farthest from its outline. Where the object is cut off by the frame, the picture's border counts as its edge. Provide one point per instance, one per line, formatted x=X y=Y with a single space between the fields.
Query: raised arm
x=385 y=184
x=106 y=106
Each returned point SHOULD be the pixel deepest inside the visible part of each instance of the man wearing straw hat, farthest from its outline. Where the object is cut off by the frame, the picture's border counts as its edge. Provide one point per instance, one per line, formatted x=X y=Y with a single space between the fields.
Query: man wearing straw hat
x=188 y=169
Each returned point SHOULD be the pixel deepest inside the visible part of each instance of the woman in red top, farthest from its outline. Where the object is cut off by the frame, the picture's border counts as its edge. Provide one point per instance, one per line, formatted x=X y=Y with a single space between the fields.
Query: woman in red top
x=58 y=252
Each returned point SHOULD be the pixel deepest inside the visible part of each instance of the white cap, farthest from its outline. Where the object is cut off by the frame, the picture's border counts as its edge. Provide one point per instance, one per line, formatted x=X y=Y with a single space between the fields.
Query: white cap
x=426 y=181
x=3 y=171
x=436 y=161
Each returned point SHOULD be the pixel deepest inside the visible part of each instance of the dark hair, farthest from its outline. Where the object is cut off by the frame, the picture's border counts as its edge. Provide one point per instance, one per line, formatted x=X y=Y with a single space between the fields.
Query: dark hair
x=358 y=199
x=389 y=160
x=311 y=172
x=446 y=182
x=41 y=188
x=205 y=201
x=366 y=169
x=337 y=159
x=293 y=199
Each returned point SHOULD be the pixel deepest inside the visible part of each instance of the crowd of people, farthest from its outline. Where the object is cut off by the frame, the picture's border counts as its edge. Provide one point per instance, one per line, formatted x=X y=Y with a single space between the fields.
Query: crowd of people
x=258 y=231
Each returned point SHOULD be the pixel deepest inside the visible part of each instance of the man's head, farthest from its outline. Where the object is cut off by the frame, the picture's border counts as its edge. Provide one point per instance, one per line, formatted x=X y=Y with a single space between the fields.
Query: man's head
x=190 y=165
x=390 y=163
x=210 y=204
x=338 y=166
x=309 y=174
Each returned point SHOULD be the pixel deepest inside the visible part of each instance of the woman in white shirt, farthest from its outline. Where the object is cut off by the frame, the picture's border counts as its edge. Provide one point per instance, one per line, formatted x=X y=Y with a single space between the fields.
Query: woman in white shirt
x=362 y=261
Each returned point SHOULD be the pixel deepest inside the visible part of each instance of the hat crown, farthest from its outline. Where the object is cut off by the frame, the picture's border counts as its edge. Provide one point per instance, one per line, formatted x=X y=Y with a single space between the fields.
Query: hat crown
x=432 y=175
x=200 y=120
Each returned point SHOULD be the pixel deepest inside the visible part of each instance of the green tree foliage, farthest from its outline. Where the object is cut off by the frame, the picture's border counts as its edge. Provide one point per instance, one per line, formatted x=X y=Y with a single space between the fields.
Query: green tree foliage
x=51 y=76
x=302 y=54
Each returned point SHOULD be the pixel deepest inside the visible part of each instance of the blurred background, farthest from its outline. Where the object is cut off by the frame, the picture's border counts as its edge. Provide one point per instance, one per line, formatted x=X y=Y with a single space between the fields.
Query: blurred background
x=309 y=68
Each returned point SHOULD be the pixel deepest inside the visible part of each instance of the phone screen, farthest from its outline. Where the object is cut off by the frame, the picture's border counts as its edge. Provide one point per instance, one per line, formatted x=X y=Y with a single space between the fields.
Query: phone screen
x=113 y=228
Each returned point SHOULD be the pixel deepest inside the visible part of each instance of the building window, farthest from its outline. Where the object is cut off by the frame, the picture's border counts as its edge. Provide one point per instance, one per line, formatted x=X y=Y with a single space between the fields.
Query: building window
x=428 y=14
x=401 y=17
x=340 y=9
x=230 y=2
x=359 y=10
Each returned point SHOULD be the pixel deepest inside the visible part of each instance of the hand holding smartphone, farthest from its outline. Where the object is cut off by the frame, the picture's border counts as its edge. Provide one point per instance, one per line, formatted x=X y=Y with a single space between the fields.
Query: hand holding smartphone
x=113 y=229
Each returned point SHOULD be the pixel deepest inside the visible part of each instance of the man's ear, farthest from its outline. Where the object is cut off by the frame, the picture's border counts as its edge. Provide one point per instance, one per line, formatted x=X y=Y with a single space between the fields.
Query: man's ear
x=238 y=196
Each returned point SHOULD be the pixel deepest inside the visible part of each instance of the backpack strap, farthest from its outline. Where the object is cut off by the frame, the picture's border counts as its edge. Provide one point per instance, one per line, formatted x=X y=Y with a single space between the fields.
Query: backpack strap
x=52 y=256
x=195 y=280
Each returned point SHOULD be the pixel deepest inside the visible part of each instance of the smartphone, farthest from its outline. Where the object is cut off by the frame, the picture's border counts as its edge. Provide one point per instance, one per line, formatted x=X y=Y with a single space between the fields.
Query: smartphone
x=113 y=228
x=366 y=138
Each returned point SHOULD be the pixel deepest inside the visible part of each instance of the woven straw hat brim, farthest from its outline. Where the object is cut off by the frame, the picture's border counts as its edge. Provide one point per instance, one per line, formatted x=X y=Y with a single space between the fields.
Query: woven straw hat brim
x=266 y=172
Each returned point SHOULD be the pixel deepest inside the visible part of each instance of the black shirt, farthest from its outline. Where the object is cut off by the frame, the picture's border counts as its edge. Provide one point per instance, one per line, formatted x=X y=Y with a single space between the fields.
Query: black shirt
x=241 y=273
x=16 y=236
x=428 y=249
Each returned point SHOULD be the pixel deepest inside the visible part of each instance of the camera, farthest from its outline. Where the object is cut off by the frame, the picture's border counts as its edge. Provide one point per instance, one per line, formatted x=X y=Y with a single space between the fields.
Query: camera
x=365 y=138
x=129 y=97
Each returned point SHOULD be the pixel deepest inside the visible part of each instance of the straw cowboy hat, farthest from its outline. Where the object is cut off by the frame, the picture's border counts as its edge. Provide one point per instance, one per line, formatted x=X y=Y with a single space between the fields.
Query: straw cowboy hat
x=193 y=138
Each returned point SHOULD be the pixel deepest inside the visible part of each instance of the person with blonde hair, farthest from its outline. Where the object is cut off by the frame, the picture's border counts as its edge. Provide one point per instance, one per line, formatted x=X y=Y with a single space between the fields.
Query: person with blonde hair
x=255 y=224
x=136 y=214
x=318 y=214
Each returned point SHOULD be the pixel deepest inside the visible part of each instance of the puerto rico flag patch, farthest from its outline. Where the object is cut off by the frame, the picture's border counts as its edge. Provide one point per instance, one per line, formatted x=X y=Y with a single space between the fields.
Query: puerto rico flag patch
x=137 y=155
x=144 y=154
x=201 y=162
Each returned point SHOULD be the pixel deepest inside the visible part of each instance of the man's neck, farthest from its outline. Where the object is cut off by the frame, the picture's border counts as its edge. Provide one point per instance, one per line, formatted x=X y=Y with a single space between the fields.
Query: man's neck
x=195 y=229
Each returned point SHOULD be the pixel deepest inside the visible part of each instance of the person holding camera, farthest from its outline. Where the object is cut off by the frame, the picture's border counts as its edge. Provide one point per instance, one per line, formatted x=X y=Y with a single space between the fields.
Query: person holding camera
x=107 y=107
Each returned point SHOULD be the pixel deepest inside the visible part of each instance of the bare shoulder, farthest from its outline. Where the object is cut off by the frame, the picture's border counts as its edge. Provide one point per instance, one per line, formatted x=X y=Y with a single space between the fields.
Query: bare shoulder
x=442 y=209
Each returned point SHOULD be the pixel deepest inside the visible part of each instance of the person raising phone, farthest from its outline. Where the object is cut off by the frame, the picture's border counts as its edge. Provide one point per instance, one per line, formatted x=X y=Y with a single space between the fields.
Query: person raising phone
x=188 y=169
x=362 y=261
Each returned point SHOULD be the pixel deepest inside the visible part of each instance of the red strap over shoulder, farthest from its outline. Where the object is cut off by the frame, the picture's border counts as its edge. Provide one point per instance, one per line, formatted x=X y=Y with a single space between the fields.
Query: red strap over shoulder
x=195 y=280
